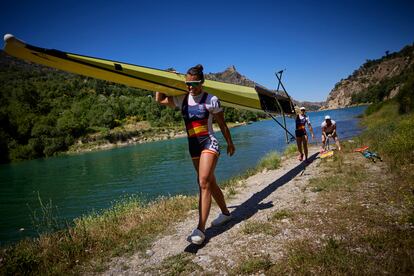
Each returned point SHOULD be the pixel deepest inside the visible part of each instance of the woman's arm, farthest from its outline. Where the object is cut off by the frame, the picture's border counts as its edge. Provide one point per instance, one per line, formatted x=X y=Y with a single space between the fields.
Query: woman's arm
x=311 y=130
x=334 y=130
x=226 y=133
x=163 y=99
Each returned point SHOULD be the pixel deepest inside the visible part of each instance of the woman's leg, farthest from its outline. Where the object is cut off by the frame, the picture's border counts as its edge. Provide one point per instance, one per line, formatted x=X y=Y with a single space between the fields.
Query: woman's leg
x=206 y=165
x=218 y=195
x=299 y=144
x=215 y=190
x=305 y=146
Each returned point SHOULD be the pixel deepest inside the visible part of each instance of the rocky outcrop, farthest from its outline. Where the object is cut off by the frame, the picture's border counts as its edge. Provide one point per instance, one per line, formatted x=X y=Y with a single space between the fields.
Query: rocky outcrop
x=371 y=73
x=231 y=75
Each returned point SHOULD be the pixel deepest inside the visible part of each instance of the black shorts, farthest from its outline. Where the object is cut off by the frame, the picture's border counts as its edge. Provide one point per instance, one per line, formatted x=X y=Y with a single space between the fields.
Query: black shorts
x=300 y=132
x=197 y=145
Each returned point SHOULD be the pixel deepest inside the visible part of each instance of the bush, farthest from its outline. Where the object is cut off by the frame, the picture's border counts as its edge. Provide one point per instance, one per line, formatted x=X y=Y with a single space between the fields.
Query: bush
x=405 y=97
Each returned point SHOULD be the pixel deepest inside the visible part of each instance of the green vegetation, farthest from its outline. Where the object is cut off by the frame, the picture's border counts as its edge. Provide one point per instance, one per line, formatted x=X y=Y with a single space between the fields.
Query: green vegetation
x=256 y=227
x=181 y=264
x=378 y=92
x=127 y=227
x=391 y=134
x=44 y=111
x=253 y=265
x=362 y=220
x=405 y=97
x=291 y=149
x=271 y=161
x=281 y=214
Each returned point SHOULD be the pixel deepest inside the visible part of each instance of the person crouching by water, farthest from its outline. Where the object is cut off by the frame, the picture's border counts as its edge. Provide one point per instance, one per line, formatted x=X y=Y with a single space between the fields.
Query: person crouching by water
x=329 y=131
x=301 y=136
x=198 y=109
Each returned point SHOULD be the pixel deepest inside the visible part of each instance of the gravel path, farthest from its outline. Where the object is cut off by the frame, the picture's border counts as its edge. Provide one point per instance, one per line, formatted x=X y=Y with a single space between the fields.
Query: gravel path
x=256 y=200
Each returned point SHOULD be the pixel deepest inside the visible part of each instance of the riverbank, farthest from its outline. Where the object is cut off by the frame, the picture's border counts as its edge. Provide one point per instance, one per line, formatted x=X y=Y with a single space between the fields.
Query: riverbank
x=131 y=134
x=342 y=215
x=92 y=240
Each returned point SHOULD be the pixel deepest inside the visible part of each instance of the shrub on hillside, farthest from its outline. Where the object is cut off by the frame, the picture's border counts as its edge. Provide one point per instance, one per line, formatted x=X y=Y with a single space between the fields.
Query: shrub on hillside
x=405 y=97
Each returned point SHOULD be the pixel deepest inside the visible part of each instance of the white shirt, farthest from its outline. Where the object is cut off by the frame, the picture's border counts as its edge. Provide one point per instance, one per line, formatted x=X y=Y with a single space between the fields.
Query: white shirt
x=212 y=104
x=327 y=128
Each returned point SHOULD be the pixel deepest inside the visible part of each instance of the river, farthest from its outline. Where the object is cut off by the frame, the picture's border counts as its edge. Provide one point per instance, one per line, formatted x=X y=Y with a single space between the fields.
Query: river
x=83 y=183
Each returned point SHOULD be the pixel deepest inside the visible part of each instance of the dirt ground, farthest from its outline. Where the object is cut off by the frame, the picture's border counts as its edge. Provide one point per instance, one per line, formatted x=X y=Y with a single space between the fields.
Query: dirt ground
x=256 y=200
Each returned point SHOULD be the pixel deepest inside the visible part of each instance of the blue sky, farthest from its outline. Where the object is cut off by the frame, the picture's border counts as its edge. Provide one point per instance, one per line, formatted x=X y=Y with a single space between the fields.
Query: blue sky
x=317 y=42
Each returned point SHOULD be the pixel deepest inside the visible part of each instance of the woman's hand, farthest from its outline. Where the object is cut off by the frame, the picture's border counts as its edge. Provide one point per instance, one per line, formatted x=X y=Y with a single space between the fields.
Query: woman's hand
x=163 y=99
x=226 y=133
x=230 y=149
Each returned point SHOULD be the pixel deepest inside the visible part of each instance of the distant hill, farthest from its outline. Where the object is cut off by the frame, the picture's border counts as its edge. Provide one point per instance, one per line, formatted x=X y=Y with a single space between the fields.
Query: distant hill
x=376 y=80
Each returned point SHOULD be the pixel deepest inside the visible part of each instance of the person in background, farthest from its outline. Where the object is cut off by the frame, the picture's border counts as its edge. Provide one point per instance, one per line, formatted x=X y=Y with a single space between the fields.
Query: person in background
x=329 y=131
x=301 y=136
x=198 y=109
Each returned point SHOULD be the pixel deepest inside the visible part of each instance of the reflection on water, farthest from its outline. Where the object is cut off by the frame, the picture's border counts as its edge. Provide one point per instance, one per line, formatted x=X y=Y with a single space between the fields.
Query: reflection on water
x=93 y=181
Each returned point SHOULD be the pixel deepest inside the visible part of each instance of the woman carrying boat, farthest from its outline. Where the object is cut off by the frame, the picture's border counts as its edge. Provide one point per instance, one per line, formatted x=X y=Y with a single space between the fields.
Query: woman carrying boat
x=198 y=109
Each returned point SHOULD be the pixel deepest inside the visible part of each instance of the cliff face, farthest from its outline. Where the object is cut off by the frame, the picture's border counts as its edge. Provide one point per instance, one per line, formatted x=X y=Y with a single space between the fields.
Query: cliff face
x=369 y=74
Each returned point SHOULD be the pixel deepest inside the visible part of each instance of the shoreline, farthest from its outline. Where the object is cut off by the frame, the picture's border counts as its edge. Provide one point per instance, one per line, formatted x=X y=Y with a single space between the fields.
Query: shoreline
x=146 y=135
x=342 y=107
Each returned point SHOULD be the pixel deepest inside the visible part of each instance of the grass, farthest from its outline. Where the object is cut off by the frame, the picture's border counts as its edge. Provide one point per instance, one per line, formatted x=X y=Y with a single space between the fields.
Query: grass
x=281 y=214
x=180 y=264
x=256 y=227
x=127 y=227
x=270 y=227
x=92 y=240
x=270 y=161
x=291 y=150
x=391 y=135
x=331 y=258
x=363 y=219
x=366 y=230
x=253 y=265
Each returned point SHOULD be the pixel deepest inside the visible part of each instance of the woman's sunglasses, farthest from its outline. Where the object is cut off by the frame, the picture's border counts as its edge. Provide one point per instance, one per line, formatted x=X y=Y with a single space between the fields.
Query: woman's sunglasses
x=193 y=83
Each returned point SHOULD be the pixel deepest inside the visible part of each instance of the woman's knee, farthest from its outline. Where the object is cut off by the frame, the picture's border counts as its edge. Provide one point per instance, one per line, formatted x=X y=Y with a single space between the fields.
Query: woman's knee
x=204 y=182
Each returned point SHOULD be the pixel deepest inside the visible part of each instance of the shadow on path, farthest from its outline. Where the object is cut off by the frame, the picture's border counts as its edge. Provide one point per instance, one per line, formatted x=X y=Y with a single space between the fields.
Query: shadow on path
x=251 y=206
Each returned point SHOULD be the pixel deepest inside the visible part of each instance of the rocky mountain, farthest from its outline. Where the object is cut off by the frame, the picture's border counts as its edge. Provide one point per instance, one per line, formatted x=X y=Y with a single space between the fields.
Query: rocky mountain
x=374 y=81
x=231 y=75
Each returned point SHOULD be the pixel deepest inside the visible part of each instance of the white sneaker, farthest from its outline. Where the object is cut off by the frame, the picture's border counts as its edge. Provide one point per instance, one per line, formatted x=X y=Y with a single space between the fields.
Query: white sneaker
x=197 y=236
x=221 y=219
